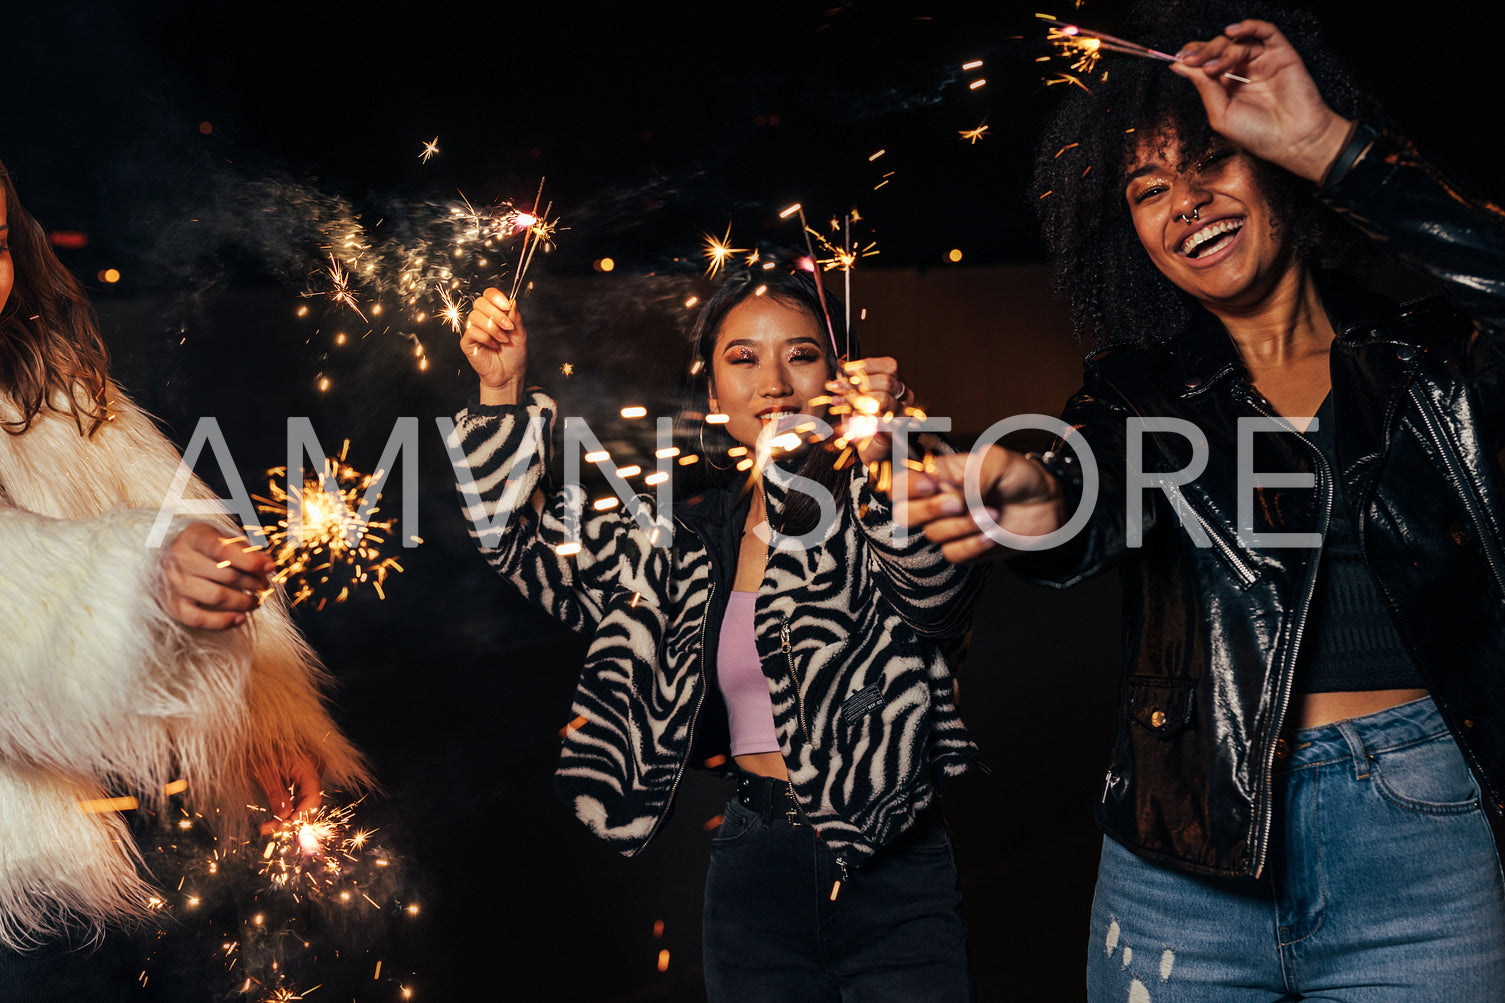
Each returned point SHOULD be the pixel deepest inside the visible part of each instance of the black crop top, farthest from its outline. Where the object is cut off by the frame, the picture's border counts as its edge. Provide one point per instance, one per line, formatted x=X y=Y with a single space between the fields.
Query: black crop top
x=1351 y=642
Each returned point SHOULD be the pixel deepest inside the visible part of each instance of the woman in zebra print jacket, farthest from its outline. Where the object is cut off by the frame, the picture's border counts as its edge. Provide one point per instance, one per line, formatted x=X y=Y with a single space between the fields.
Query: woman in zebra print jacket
x=831 y=872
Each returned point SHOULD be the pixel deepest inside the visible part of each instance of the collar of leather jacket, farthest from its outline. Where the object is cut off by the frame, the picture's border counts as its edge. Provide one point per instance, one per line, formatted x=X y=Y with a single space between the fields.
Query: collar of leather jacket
x=1207 y=352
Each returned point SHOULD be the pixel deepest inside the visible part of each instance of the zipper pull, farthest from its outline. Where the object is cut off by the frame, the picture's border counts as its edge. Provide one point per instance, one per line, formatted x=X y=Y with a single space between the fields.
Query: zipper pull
x=784 y=638
x=841 y=864
x=1107 y=785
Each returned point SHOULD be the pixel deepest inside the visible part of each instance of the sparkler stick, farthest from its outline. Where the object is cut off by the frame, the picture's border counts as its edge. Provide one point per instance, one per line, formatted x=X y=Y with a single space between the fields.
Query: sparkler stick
x=539 y=229
x=517 y=279
x=846 y=245
x=1071 y=33
x=820 y=287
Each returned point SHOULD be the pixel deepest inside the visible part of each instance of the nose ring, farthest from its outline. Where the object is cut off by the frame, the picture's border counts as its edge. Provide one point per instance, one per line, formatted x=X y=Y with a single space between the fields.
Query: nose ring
x=1196 y=214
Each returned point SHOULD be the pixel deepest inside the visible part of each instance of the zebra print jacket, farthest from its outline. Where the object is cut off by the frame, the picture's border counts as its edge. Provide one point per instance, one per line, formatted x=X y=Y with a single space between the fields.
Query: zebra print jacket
x=850 y=634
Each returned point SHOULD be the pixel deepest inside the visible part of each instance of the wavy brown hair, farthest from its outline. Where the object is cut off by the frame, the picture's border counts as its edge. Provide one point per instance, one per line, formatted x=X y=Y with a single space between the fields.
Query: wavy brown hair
x=51 y=354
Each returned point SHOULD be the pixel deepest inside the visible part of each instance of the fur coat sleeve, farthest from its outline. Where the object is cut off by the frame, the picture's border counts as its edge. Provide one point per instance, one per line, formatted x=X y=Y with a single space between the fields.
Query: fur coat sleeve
x=102 y=690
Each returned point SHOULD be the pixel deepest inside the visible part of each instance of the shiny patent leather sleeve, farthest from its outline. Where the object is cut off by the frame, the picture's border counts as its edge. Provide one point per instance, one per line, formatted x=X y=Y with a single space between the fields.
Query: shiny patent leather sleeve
x=1419 y=218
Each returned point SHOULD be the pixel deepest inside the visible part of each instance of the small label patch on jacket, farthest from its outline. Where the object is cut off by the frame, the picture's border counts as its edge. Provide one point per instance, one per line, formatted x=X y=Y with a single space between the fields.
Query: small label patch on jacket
x=861 y=702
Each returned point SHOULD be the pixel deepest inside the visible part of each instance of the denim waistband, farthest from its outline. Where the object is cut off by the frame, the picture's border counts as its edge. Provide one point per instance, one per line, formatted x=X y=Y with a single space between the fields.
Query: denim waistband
x=1354 y=738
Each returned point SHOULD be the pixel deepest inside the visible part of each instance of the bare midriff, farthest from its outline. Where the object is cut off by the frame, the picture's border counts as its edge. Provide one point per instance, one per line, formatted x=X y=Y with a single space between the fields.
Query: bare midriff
x=764 y=764
x=1317 y=709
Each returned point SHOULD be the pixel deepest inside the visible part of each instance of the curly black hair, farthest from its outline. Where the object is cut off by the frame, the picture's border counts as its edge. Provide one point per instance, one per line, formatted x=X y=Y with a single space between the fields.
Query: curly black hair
x=1116 y=294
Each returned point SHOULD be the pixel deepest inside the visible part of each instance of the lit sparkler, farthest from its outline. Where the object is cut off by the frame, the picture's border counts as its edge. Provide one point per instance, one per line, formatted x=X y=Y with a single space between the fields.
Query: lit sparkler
x=1088 y=45
x=718 y=251
x=314 y=865
x=305 y=855
x=529 y=224
x=336 y=537
x=843 y=256
x=429 y=149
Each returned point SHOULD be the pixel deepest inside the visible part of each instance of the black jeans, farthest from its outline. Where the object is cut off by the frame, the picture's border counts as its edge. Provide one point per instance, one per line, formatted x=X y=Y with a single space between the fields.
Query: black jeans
x=773 y=933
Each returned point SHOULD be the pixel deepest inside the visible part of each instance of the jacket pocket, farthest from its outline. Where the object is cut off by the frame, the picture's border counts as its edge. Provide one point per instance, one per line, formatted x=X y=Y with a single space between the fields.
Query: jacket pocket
x=1161 y=706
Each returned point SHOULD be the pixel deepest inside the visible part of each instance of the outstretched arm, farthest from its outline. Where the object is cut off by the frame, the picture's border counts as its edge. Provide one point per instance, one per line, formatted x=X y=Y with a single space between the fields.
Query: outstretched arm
x=1017 y=493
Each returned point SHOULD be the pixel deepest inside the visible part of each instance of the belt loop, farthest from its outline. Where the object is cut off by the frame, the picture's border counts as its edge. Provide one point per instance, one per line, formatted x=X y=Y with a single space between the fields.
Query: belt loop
x=1356 y=746
x=767 y=783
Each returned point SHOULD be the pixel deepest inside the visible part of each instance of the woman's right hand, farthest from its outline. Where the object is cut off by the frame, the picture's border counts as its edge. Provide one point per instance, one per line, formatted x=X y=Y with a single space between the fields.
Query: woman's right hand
x=495 y=343
x=1278 y=115
x=1018 y=494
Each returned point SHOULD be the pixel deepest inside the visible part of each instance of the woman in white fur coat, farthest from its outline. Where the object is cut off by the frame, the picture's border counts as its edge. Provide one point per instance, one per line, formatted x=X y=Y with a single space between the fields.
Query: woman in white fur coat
x=122 y=668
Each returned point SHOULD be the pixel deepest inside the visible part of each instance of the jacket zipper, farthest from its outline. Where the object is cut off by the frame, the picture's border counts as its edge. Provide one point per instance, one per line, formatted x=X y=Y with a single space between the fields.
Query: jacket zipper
x=799 y=700
x=1246 y=574
x=1267 y=789
x=1461 y=485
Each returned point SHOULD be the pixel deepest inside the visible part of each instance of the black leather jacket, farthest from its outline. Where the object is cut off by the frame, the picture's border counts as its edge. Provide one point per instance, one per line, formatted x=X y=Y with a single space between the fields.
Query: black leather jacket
x=1212 y=633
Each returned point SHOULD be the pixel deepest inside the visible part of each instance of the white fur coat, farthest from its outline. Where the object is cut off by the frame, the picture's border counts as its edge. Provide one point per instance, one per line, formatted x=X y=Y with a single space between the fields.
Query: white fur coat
x=100 y=689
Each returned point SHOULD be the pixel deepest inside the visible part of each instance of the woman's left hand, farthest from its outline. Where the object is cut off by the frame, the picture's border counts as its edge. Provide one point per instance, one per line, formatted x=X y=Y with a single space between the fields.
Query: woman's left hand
x=296 y=777
x=211 y=582
x=873 y=389
x=1279 y=115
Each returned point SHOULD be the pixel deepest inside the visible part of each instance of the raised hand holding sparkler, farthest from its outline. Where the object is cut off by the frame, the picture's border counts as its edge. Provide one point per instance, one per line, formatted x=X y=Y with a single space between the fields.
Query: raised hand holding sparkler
x=864 y=392
x=495 y=344
x=1281 y=117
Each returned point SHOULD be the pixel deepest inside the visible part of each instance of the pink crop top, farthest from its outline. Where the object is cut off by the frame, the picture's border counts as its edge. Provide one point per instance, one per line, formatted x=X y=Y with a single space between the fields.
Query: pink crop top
x=739 y=674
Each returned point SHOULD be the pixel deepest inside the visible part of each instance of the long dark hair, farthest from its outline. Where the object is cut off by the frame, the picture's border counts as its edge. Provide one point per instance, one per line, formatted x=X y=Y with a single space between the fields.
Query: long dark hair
x=1116 y=293
x=792 y=287
x=51 y=354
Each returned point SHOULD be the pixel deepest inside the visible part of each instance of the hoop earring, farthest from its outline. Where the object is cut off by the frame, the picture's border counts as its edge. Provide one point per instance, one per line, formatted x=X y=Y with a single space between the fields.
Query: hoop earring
x=707 y=453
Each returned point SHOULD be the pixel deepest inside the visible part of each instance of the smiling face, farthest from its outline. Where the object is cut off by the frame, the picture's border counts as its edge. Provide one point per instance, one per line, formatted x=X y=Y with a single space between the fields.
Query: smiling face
x=769 y=359
x=1205 y=221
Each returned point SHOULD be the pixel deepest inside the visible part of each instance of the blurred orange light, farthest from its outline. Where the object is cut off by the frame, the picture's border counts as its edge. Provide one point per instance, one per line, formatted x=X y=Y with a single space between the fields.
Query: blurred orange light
x=70 y=240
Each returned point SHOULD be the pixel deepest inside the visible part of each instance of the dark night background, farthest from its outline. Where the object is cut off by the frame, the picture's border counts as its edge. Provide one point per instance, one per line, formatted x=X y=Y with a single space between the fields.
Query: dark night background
x=198 y=145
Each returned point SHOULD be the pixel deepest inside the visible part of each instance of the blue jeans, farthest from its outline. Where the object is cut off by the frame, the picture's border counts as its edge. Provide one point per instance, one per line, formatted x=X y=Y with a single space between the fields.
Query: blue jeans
x=773 y=934
x=1382 y=886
